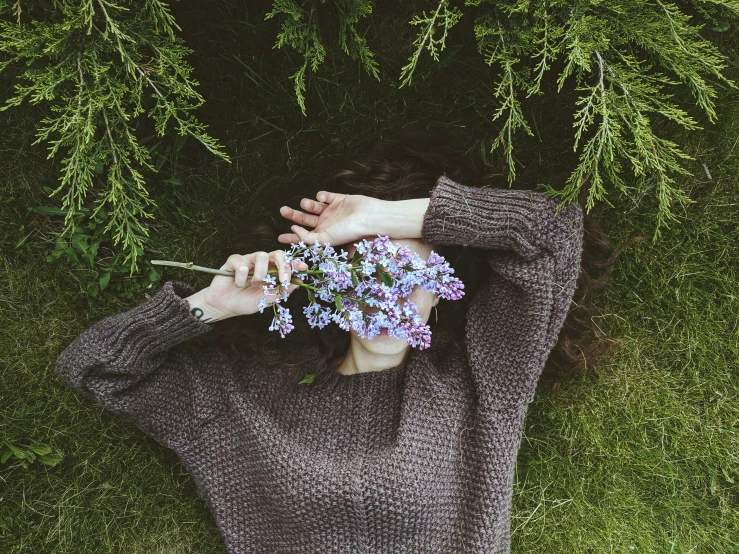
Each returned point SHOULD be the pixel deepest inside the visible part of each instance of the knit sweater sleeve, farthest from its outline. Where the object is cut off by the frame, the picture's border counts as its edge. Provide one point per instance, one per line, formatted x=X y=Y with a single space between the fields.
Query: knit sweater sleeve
x=515 y=317
x=134 y=365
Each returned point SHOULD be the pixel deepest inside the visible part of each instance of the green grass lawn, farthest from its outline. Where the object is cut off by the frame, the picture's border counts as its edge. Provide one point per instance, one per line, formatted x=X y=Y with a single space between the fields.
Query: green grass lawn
x=641 y=457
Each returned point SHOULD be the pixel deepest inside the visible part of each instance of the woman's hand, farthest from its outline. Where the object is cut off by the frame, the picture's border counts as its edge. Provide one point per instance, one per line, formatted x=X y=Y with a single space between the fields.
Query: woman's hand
x=336 y=218
x=239 y=295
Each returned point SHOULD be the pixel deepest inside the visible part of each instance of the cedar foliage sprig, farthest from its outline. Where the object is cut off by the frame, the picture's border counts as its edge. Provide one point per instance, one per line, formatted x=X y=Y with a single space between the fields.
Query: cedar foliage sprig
x=98 y=65
x=299 y=29
x=444 y=18
x=624 y=58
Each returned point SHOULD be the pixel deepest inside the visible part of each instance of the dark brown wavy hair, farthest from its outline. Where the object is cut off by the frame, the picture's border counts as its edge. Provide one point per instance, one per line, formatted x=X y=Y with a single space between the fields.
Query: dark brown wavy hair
x=400 y=169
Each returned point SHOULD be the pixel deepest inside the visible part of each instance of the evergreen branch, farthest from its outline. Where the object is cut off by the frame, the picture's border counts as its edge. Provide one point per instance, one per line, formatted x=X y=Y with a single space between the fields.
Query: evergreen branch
x=604 y=106
x=510 y=106
x=299 y=83
x=547 y=53
x=86 y=60
x=161 y=16
x=731 y=6
x=425 y=38
x=351 y=43
x=649 y=156
x=110 y=137
x=583 y=34
x=679 y=48
x=82 y=79
x=99 y=64
x=602 y=145
x=110 y=24
x=303 y=36
x=185 y=127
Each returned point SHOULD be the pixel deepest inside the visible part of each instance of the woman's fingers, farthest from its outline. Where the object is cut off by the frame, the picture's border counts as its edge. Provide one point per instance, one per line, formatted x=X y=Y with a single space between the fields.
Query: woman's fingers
x=325 y=196
x=232 y=262
x=240 y=266
x=242 y=273
x=307 y=237
x=293 y=285
x=261 y=265
x=312 y=206
x=300 y=232
x=299 y=217
x=283 y=274
x=299 y=267
x=288 y=238
x=260 y=261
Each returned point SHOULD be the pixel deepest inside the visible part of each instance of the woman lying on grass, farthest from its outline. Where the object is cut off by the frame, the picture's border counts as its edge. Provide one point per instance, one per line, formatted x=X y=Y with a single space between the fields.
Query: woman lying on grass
x=390 y=448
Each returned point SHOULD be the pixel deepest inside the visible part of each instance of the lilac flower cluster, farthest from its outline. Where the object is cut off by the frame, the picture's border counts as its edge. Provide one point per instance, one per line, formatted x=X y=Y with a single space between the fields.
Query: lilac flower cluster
x=349 y=284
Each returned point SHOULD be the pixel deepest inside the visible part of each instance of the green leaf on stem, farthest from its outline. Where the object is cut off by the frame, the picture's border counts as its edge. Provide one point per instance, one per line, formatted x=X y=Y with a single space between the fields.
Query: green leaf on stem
x=40 y=449
x=50 y=459
x=308 y=379
x=384 y=277
x=104 y=280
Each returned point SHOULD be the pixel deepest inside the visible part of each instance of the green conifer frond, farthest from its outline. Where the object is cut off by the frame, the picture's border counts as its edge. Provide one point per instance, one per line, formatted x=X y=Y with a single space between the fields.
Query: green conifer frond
x=100 y=64
x=492 y=42
x=350 y=41
x=623 y=99
x=666 y=33
x=625 y=58
x=300 y=30
x=443 y=17
x=545 y=37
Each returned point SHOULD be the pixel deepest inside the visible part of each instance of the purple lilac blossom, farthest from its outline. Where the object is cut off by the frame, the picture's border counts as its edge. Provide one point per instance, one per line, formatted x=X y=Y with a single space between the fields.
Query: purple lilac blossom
x=334 y=282
x=282 y=321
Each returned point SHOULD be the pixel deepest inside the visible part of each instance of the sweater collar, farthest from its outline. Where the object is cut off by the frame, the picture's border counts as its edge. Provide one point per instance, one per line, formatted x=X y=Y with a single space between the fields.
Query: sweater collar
x=329 y=378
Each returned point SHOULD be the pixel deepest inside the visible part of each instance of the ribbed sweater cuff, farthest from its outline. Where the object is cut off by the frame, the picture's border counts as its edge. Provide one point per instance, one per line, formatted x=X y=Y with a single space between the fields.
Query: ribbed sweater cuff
x=157 y=325
x=488 y=218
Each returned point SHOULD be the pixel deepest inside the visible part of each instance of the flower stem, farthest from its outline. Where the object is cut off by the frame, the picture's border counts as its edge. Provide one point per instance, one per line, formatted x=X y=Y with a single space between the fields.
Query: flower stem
x=189 y=265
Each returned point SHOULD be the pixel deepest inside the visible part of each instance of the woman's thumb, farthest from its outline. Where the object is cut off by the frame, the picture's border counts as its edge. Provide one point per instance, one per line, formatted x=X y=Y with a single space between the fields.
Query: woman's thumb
x=293 y=285
x=308 y=237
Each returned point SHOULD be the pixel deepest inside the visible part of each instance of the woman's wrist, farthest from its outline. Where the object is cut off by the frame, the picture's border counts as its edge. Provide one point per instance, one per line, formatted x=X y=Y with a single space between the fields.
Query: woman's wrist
x=200 y=308
x=400 y=219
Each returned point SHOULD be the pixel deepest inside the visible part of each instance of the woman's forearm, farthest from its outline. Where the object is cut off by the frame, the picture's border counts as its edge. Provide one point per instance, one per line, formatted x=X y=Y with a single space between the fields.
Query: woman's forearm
x=401 y=219
x=204 y=311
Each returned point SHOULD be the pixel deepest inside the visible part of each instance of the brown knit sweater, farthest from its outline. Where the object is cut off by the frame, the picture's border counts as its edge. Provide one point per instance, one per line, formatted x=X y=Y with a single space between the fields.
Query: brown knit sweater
x=416 y=458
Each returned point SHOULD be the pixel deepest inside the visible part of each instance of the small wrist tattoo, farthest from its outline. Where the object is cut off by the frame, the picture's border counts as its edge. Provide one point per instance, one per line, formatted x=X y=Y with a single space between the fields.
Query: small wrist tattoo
x=197 y=312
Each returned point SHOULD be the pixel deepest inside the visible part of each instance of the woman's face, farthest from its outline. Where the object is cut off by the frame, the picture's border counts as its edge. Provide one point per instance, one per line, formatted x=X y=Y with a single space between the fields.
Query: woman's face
x=383 y=343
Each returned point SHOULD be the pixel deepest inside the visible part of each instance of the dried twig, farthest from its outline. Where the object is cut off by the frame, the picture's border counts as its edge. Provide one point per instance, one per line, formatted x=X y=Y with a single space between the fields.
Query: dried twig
x=189 y=265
